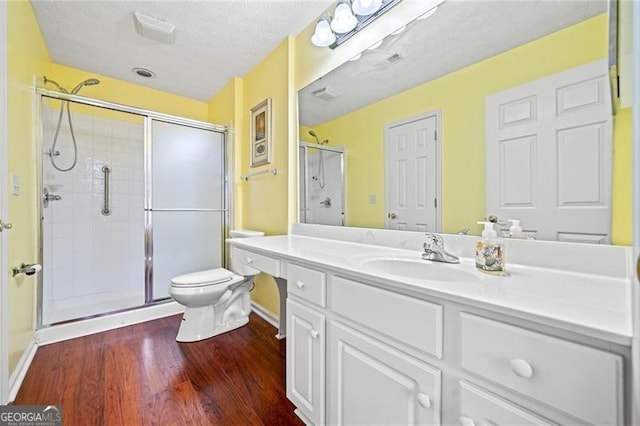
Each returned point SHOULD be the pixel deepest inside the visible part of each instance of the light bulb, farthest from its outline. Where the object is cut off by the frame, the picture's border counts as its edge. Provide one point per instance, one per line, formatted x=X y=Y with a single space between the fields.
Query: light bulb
x=427 y=13
x=323 y=36
x=343 y=21
x=366 y=7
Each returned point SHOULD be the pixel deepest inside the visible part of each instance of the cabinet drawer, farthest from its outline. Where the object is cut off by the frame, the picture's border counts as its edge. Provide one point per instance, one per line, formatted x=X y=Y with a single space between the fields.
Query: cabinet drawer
x=307 y=283
x=581 y=381
x=409 y=320
x=242 y=258
x=480 y=407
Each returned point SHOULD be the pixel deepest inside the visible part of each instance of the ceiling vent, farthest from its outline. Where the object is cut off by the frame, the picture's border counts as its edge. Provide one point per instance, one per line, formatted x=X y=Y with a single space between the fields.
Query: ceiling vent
x=154 y=28
x=326 y=93
x=396 y=57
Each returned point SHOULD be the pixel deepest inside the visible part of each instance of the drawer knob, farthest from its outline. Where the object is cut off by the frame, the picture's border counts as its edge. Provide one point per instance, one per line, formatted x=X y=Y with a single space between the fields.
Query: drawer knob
x=299 y=284
x=314 y=333
x=424 y=400
x=521 y=368
x=249 y=260
x=466 y=421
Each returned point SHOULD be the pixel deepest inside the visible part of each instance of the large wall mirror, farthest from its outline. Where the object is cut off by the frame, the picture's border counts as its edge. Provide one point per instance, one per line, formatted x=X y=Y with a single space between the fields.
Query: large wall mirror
x=472 y=112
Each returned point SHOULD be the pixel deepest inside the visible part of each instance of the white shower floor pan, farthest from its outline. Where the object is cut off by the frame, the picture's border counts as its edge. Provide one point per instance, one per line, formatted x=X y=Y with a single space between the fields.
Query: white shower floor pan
x=86 y=306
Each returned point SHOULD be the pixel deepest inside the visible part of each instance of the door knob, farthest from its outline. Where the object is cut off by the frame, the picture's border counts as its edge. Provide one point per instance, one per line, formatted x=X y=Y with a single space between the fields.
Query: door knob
x=5 y=225
x=392 y=216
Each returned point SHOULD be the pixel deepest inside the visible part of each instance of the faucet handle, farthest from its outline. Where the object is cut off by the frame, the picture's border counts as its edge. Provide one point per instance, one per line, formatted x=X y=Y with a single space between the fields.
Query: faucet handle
x=433 y=240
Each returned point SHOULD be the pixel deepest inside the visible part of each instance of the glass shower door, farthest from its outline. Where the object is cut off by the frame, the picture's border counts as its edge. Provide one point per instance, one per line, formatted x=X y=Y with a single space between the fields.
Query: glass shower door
x=186 y=210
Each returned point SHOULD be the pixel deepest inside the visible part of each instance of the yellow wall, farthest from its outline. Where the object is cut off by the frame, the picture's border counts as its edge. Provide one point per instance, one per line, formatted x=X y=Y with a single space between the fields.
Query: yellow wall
x=226 y=108
x=265 y=197
x=27 y=56
x=121 y=92
x=461 y=96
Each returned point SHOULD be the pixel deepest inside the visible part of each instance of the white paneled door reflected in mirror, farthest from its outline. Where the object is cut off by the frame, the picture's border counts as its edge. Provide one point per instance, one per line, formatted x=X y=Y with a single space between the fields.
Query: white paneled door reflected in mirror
x=520 y=132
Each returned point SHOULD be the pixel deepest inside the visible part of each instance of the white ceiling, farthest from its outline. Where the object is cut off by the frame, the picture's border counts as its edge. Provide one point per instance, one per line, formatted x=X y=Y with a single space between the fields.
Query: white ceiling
x=215 y=40
x=460 y=33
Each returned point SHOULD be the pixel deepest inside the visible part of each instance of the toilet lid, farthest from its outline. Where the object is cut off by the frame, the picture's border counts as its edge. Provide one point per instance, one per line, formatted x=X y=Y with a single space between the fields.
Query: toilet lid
x=210 y=276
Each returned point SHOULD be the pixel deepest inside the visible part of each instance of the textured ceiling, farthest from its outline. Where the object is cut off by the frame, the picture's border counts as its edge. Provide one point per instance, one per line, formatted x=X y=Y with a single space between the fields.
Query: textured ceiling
x=459 y=34
x=215 y=40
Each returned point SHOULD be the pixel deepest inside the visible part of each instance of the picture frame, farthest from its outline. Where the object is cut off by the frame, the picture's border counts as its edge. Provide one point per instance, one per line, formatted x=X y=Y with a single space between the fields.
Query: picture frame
x=260 y=134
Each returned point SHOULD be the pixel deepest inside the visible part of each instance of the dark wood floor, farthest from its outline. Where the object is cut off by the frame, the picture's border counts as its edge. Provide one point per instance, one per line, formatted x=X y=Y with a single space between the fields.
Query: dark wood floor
x=141 y=375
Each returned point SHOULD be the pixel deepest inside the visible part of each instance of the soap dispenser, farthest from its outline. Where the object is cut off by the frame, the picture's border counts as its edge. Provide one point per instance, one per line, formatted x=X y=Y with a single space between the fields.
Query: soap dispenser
x=490 y=251
x=515 y=230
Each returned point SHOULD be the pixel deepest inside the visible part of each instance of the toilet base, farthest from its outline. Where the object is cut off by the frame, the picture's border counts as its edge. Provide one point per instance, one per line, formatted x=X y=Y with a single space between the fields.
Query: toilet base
x=198 y=324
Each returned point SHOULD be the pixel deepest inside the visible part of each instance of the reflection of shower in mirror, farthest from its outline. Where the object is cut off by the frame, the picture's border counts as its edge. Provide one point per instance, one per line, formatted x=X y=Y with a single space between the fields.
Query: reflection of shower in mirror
x=321 y=191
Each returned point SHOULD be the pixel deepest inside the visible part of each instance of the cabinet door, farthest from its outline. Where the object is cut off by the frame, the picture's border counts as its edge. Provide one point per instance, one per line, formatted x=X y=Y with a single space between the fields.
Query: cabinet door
x=479 y=407
x=305 y=360
x=372 y=383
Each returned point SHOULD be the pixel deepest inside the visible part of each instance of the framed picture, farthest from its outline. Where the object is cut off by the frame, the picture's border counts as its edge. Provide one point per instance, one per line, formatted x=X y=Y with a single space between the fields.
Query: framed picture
x=261 y=133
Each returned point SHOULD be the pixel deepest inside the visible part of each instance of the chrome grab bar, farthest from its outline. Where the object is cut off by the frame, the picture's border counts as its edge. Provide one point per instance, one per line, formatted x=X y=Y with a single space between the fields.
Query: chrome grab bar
x=105 y=210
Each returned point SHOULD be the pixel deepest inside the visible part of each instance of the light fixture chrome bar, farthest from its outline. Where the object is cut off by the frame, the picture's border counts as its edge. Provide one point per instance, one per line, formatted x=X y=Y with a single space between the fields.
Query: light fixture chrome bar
x=341 y=38
x=107 y=172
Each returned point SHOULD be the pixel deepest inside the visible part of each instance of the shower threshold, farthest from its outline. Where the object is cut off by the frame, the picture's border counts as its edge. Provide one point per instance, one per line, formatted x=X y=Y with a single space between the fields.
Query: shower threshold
x=73 y=308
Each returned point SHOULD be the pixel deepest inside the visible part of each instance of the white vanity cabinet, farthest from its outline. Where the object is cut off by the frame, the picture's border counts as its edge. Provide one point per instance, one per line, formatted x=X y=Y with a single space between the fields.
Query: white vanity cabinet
x=306 y=341
x=371 y=383
x=368 y=350
x=581 y=381
x=306 y=360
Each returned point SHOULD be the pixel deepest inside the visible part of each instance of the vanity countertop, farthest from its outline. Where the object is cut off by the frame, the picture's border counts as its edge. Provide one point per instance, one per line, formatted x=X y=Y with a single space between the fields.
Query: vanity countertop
x=594 y=305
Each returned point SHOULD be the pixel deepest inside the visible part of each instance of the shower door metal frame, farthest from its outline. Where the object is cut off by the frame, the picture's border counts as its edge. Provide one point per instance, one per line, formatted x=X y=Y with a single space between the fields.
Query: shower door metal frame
x=148 y=116
x=340 y=150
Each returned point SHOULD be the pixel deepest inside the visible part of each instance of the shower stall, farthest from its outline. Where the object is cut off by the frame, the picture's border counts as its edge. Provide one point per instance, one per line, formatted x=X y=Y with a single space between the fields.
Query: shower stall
x=130 y=198
x=321 y=184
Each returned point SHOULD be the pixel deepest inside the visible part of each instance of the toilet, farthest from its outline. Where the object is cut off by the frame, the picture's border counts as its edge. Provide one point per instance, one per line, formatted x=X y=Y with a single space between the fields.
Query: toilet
x=216 y=300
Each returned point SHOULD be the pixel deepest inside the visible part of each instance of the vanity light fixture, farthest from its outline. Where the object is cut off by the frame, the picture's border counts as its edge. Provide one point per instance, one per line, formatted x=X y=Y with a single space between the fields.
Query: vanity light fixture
x=399 y=30
x=427 y=14
x=375 y=45
x=366 y=7
x=343 y=20
x=347 y=20
x=323 y=36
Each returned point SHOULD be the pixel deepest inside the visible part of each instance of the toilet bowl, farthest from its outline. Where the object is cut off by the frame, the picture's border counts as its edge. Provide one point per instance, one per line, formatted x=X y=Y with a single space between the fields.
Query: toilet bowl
x=215 y=300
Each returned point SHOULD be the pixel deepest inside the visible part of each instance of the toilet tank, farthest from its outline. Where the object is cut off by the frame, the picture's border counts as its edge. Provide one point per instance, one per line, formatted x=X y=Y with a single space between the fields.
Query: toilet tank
x=238 y=267
x=245 y=233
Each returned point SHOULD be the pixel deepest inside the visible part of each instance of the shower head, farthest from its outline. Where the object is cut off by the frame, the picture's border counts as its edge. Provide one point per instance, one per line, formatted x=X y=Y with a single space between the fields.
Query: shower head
x=312 y=133
x=87 y=82
x=326 y=141
x=55 y=83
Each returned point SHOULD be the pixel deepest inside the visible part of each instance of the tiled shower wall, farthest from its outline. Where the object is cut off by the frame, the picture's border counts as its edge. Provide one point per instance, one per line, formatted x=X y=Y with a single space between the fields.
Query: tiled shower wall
x=87 y=253
x=316 y=212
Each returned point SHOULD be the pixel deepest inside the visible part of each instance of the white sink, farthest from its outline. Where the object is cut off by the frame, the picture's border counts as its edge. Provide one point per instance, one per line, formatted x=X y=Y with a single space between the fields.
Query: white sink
x=417 y=268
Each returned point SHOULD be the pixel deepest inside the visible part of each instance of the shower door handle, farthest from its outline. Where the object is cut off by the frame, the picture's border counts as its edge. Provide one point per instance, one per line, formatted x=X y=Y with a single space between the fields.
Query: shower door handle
x=105 y=210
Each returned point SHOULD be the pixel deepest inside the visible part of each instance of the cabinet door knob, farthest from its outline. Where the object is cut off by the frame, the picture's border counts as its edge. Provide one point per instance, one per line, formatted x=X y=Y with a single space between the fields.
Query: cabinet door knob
x=424 y=400
x=314 y=333
x=521 y=368
x=299 y=284
x=466 y=421
x=249 y=260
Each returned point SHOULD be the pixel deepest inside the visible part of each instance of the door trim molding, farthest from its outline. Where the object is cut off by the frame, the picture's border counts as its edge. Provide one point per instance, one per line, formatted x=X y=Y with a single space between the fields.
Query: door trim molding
x=437 y=113
x=4 y=265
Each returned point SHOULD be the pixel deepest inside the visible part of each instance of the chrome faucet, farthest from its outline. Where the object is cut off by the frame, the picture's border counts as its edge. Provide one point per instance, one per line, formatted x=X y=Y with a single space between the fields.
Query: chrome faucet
x=434 y=250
